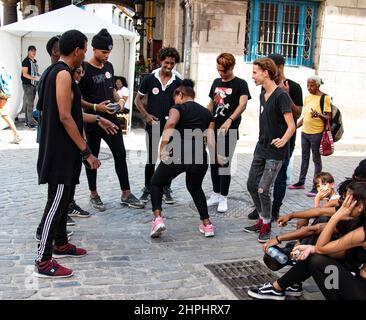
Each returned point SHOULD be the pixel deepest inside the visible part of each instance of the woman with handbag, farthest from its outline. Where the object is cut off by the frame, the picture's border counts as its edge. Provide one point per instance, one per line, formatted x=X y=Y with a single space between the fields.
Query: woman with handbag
x=313 y=124
x=5 y=94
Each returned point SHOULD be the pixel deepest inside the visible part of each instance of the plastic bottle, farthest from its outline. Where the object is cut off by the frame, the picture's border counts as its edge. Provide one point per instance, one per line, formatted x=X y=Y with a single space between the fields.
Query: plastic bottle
x=277 y=254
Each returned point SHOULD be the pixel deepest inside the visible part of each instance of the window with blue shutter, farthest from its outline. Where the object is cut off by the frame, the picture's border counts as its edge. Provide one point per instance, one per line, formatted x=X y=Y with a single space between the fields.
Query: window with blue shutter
x=285 y=27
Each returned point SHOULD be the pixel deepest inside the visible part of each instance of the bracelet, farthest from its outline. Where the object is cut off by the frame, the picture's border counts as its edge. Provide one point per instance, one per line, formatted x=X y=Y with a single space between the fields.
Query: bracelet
x=278 y=240
x=95 y=107
x=97 y=119
x=85 y=153
x=232 y=120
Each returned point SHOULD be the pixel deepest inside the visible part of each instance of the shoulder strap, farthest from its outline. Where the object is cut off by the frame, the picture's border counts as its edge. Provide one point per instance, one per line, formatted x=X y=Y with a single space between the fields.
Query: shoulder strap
x=322 y=98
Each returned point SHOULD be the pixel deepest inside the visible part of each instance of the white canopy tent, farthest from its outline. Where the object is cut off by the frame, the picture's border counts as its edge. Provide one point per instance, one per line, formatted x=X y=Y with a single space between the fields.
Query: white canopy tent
x=16 y=37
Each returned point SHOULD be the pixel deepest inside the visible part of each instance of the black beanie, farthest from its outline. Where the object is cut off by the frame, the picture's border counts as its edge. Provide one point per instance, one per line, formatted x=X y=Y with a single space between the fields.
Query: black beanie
x=102 y=40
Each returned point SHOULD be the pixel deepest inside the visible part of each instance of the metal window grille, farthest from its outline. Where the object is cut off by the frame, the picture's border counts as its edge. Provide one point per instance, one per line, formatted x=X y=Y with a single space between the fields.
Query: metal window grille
x=285 y=27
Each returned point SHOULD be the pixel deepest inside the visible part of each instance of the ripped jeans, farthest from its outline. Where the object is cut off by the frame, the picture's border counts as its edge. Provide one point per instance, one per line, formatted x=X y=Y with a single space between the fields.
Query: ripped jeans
x=262 y=176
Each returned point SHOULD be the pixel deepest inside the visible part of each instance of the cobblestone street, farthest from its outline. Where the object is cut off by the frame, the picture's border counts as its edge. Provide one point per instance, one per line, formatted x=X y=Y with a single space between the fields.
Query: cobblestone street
x=123 y=262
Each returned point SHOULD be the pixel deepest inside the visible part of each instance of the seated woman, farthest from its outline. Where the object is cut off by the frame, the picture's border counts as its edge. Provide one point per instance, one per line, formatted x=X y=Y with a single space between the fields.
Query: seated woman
x=345 y=255
x=188 y=127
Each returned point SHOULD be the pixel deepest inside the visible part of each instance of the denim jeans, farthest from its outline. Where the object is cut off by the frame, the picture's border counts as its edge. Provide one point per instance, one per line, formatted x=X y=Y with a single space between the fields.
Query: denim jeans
x=28 y=103
x=280 y=186
x=262 y=176
x=310 y=142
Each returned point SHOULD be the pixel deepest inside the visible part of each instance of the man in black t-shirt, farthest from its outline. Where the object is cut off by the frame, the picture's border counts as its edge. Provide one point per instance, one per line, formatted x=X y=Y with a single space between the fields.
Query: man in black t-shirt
x=276 y=126
x=30 y=78
x=229 y=96
x=295 y=92
x=158 y=87
x=97 y=88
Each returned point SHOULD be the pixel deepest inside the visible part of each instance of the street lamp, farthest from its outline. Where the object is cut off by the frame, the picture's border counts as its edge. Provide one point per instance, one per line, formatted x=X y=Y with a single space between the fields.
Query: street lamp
x=139 y=17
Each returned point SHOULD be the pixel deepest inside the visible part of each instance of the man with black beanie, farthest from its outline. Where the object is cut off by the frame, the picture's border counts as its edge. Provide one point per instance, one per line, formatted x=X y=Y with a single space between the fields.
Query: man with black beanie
x=97 y=88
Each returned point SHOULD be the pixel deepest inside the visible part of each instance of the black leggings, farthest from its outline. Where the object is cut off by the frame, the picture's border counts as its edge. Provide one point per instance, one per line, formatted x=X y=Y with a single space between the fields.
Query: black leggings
x=94 y=134
x=221 y=175
x=195 y=173
x=349 y=287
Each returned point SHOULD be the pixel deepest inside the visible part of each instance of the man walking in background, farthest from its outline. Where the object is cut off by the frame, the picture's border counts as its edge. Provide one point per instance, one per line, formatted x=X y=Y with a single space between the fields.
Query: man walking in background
x=30 y=78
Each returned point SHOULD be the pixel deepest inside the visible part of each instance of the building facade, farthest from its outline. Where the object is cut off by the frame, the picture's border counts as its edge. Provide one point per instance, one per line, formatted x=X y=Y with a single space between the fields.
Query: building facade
x=327 y=38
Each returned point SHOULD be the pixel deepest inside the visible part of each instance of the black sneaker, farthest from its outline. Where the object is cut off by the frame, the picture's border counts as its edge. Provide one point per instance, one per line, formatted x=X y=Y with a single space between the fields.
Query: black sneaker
x=97 y=203
x=132 y=202
x=266 y=292
x=294 y=291
x=75 y=211
x=68 y=232
x=253 y=215
x=145 y=195
x=254 y=228
x=70 y=222
x=167 y=196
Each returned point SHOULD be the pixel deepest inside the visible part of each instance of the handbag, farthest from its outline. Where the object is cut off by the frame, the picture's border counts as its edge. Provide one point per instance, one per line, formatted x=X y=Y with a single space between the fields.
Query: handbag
x=327 y=143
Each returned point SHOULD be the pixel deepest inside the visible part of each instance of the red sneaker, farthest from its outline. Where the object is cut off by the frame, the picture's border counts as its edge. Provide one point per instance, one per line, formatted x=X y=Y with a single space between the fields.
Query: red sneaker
x=69 y=251
x=51 y=269
x=264 y=233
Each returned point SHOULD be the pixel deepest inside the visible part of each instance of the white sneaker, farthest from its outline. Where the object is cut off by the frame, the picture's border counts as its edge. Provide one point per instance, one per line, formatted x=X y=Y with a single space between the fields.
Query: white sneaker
x=222 y=207
x=214 y=199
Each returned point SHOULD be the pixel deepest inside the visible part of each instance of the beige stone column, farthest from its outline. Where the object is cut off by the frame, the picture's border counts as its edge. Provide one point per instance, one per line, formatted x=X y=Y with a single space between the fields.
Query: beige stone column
x=10 y=11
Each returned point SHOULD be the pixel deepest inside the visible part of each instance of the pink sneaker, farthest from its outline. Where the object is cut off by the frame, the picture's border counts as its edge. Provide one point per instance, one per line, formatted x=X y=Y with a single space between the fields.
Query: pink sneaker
x=157 y=227
x=207 y=230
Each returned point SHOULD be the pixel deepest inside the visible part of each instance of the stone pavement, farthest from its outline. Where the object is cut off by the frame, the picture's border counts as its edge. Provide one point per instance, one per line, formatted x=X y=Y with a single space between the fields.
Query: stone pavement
x=123 y=262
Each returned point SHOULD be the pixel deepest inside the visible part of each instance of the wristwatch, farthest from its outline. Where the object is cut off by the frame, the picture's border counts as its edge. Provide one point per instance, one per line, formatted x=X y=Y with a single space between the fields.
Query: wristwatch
x=97 y=119
x=85 y=153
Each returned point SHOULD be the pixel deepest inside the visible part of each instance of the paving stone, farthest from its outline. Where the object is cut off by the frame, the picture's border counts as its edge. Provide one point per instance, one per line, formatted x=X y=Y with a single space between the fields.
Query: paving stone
x=123 y=262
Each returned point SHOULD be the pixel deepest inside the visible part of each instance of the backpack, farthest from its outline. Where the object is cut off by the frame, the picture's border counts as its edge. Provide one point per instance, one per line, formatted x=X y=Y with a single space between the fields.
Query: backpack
x=336 y=124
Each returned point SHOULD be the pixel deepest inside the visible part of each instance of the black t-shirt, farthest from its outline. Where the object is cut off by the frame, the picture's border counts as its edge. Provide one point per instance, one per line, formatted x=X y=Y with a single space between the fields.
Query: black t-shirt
x=193 y=122
x=295 y=94
x=226 y=96
x=272 y=124
x=32 y=70
x=159 y=99
x=97 y=86
x=59 y=160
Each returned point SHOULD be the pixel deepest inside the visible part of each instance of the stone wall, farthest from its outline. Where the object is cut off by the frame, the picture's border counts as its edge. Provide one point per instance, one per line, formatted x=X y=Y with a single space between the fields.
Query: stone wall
x=342 y=60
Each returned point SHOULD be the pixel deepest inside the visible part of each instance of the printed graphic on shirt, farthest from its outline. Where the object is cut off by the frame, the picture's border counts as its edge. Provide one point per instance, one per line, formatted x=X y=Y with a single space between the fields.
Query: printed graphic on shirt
x=219 y=100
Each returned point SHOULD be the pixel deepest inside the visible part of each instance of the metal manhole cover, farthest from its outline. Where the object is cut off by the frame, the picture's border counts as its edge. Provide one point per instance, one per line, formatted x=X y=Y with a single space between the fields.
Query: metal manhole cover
x=239 y=276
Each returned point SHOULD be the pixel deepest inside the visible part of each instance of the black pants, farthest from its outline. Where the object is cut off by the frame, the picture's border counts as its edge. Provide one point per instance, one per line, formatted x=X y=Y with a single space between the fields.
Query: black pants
x=349 y=287
x=195 y=173
x=53 y=224
x=94 y=135
x=221 y=175
x=152 y=148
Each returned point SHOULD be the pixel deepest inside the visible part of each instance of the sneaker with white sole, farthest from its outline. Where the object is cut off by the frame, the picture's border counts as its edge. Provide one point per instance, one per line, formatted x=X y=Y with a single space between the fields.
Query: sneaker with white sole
x=222 y=207
x=294 y=291
x=97 y=203
x=69 y=250
x=207 y=230
x=266 y=292
x=214 y=199
x=75 y=211
x=51 y=269
x=157 y=227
